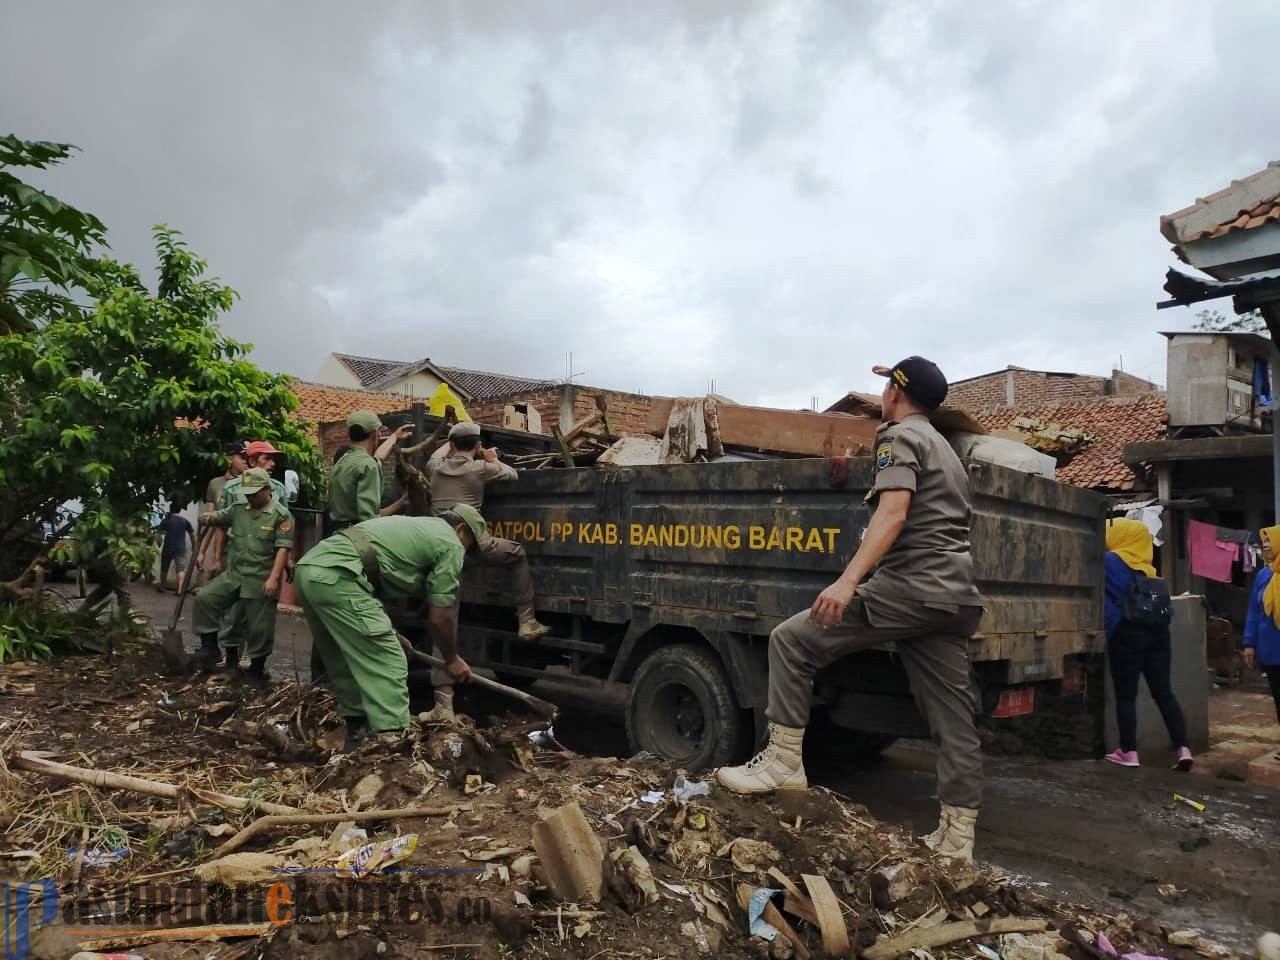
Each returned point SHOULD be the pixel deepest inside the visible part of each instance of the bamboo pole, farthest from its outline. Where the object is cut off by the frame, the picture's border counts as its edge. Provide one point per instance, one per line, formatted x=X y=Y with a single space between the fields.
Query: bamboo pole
x=30 y=760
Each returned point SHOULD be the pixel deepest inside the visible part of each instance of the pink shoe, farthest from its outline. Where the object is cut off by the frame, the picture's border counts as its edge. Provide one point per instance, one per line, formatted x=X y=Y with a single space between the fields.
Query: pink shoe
x=1125 y=758
x=1184 y=760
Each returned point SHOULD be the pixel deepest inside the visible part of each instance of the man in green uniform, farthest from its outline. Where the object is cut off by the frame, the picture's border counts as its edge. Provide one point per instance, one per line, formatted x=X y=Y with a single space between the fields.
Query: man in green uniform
x=911 y=584
x=355 y=487
x=262 y=536
x=342 y=581
x=233 y=635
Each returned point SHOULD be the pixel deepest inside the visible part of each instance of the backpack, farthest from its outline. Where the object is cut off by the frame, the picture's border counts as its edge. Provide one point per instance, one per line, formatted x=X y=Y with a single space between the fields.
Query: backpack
x=1147 y=602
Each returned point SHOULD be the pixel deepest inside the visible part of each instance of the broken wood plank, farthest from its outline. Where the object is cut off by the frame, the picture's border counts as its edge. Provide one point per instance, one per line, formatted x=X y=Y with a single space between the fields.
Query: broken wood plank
x=566 y=454
x=886 y=948
x=31 y=760
x=577 y=429
x=140 y=938
x=603 y=407
x=772 y=916
x=835 y=935
x=798 y=432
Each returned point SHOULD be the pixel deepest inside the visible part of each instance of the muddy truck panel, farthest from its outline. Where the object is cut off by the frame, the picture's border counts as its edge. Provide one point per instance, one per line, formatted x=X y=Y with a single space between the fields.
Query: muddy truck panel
x=668 y=577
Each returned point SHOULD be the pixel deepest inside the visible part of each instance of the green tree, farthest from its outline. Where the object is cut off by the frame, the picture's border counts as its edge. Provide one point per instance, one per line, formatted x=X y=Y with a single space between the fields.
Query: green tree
x=1218 y=322
x=109 y=407
x=46 y=246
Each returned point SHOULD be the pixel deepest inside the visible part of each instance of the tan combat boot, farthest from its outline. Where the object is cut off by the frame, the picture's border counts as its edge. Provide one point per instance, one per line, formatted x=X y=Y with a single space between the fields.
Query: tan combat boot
x=442 y=712
x=778 y=766
x=530 y=628
x=956 y=842
x=931 y=840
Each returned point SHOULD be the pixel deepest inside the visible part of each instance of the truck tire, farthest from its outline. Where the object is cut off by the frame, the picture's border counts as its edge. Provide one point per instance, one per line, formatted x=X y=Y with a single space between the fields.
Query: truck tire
x=681 y=707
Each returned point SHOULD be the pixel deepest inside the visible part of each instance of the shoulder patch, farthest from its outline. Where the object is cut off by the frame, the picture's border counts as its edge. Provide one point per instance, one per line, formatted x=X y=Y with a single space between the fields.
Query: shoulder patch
x=286 y=526
x=884 y=454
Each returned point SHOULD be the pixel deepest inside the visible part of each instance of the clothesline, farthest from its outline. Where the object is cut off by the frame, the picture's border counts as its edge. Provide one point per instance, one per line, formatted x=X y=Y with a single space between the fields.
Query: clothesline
x=1213 y=550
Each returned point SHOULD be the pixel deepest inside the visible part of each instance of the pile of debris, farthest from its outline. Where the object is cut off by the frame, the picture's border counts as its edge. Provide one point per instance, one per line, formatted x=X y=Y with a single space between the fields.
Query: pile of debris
x=579 y=446
x=253 y=835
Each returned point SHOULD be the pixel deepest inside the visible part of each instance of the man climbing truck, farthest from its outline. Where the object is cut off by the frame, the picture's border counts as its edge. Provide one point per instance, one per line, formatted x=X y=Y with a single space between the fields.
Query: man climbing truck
x=663 y=584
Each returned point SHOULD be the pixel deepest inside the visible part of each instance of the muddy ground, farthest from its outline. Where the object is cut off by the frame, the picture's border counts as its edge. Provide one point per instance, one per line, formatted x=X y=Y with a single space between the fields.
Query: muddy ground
x=1083 y=830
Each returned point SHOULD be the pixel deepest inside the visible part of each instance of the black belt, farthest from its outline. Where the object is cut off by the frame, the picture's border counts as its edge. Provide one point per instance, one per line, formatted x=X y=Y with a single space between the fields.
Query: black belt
x=368 y=558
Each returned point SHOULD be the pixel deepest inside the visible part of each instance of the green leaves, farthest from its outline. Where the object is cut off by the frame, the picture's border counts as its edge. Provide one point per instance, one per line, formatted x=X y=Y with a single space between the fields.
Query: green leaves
x=125 y=399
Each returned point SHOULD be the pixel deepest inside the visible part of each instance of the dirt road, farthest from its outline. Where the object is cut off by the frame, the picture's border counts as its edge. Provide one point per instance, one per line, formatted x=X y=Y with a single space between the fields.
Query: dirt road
x=1084 y=830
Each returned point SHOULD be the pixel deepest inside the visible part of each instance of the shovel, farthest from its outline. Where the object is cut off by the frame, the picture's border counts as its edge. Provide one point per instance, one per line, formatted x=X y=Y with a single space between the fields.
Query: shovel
x=541 y=707
x=172 y=649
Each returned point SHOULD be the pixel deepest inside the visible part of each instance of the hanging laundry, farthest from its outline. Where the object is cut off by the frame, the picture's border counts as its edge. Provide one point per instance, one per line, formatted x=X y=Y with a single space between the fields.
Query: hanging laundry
x=1262 y=382
x=1252 y=556
x=1210 y=558
x=1231 y=535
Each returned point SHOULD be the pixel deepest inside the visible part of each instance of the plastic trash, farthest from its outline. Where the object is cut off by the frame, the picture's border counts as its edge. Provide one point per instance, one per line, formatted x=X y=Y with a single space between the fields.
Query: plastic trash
x=91 y=955
x=100 y=858
x=653 y=796
x=371 y=857
x=1105 y=945
x=685 y=790
x=755 y=923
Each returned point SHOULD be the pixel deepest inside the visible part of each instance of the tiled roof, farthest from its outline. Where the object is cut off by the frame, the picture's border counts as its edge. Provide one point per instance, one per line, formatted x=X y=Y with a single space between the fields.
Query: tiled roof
x=476 y=384
x=368 y=369
x=321 y=403
x=1268 y=211
x=482 y=385
x=1245 y=204
x=1112 y=421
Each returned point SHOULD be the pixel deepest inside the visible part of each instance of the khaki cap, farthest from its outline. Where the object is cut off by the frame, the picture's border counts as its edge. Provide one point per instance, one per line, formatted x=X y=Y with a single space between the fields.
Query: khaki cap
x=253 y=480
x=366 y=420
x=465 y=513
x=467 y=428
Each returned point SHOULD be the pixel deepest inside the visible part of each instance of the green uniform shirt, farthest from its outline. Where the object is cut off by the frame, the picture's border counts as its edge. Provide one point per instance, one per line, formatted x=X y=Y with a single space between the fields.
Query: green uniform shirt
x=256 y=535
x=930 y=562
x=355 y=487
x=231 y=493
x=416 y=555
x=462 y=478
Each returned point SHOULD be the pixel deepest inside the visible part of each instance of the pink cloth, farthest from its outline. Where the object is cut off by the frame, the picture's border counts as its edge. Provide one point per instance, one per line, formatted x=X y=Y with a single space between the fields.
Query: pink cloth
x=1210 y=558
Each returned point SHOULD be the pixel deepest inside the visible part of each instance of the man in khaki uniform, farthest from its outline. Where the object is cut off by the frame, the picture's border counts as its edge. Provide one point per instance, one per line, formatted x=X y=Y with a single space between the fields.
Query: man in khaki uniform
x=459 y=471
x=261 y=538
x=921 y=596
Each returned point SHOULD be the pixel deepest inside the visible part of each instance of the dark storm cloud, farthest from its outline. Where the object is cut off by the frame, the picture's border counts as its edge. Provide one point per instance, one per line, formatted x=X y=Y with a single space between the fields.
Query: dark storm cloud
x=773 y=195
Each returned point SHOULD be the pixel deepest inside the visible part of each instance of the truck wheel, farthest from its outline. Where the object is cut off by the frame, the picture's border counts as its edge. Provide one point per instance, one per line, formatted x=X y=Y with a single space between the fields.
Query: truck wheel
x=681 y=707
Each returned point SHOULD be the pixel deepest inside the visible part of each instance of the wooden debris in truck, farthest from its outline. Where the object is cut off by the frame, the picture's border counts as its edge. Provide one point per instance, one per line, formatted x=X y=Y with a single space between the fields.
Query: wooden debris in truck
x=801 y=433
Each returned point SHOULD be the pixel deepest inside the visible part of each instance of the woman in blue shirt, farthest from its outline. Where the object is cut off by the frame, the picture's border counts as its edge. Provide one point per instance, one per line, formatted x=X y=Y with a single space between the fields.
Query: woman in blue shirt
x=1262 y=625
x=1137 y=650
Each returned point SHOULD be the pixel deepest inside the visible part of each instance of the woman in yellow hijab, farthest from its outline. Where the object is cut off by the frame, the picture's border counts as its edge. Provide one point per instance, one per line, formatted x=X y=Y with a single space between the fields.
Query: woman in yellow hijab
x=1138 y=642
x=1262 y=624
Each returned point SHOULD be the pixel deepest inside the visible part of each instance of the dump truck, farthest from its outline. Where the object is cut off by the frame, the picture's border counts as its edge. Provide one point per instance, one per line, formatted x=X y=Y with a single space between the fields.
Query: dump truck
x=662 y=584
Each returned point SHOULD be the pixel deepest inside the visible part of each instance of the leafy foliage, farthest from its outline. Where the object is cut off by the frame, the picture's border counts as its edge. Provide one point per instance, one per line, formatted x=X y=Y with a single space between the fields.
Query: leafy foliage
x=1218 y=322
x=40 y=631
x=45 y=244
x=109 y=407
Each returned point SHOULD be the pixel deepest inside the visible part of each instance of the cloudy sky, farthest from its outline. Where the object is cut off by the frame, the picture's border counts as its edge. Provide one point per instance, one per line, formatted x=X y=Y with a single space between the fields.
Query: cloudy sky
x=770 y=195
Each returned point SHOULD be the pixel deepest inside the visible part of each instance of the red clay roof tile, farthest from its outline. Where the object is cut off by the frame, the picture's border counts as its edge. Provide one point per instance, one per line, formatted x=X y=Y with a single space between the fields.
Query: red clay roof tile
x=1112 y=421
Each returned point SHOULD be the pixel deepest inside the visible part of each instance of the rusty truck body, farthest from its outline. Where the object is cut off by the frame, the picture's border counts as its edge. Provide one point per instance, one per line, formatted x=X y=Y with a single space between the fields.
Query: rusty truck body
x=663 y=582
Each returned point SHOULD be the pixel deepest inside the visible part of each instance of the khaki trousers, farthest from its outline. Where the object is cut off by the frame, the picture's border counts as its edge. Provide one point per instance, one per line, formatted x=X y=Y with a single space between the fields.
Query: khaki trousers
x=932 y=646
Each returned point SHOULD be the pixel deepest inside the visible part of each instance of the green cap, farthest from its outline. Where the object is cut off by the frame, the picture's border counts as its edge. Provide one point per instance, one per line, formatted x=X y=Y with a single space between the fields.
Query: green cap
x=465 y=513
x=467 y=428
x=253 y=480
x=366 y=420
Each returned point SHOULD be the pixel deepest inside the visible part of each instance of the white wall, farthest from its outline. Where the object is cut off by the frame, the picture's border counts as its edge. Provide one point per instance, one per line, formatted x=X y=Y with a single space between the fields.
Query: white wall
x=421 y=384
x=335 y=373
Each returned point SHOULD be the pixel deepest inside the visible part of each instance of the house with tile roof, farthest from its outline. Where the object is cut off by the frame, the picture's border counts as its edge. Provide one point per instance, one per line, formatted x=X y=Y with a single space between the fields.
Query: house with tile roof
x=420 y=378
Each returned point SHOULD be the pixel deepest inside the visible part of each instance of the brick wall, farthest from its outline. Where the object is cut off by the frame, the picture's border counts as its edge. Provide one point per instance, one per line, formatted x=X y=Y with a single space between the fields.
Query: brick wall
x=629 y=412
x=1034 y=387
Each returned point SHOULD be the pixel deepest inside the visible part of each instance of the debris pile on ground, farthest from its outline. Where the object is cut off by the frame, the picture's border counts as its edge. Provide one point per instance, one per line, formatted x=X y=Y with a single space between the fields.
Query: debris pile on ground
x=487 y=838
